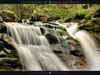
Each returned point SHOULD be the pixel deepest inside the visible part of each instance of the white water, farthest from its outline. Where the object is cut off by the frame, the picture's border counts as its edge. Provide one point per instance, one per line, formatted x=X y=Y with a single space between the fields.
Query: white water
x=33 y=49
x=88 y=45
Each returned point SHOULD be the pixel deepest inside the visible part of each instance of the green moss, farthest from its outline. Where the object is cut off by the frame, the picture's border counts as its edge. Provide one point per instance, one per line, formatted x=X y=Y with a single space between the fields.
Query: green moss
x=8 y=16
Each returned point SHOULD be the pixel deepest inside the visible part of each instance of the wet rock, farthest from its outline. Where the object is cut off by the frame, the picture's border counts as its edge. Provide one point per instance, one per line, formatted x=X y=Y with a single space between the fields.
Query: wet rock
x=31 y=23
x=56 y=51
x=7 y=46
x=3 y=28
x=52 y=38
x=20 y=21
x=75 y=53
x=49 y=26
x=42 y=30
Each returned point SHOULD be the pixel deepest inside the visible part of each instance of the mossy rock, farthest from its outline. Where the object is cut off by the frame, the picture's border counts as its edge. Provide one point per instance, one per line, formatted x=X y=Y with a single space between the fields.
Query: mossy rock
x=8 y=16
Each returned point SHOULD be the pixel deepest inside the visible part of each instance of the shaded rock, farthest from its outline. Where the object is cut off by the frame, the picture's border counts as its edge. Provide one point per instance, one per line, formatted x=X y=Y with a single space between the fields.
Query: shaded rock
x=8 y=16
x=52 y=18
x=9 y=64
x=91 y=27
x=42 y=30
x=68 y=20
x=79 y=16
x=2 y=55
x=49 y=26
x=51 y=38
x=56 y=51
x=84 y=26
x=6 y=45
x=76 y=53
x=20 y=21
x=3 y=28
x=31 y=23
x=37 y=17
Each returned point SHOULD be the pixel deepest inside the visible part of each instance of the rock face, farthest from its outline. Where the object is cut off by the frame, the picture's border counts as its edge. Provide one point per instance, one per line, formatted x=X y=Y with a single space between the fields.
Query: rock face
x=9 y=60
x=8 y=16
x=3 y=28
x=51 y=38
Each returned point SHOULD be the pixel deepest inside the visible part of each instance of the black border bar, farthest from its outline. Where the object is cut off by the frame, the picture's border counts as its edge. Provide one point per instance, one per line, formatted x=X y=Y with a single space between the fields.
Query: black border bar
x=49 y=1
x=49 y=73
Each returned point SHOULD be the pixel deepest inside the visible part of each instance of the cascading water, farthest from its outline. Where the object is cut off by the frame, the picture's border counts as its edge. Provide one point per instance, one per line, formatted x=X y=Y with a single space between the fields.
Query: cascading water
x=87 y=44
x=33 y=48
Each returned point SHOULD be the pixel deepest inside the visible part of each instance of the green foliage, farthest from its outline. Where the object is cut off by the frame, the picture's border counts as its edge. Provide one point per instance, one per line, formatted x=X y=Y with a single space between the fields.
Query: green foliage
x=21 y=10
x=89 y=12
x=65 y=12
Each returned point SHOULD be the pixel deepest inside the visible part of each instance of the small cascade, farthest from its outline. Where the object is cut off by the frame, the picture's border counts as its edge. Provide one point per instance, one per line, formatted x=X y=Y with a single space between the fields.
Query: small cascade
x=88 y=45
x=33 y=48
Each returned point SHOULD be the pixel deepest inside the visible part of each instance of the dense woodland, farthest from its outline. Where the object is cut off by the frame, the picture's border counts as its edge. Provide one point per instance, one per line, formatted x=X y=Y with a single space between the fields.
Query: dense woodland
x=63 y=12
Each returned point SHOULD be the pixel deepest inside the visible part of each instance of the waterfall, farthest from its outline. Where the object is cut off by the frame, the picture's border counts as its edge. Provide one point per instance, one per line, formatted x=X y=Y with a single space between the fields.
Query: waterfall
x=33 y=48
x=88 y=45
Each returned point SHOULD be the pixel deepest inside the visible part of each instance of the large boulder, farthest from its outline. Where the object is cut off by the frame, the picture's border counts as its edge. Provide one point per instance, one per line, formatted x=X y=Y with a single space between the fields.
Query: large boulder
x=8 y=16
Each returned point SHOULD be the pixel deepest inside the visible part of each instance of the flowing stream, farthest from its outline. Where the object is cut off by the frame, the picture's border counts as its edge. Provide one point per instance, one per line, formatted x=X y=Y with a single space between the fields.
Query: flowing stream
x=33 y=48
x=88 y=45
x=35 y=52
